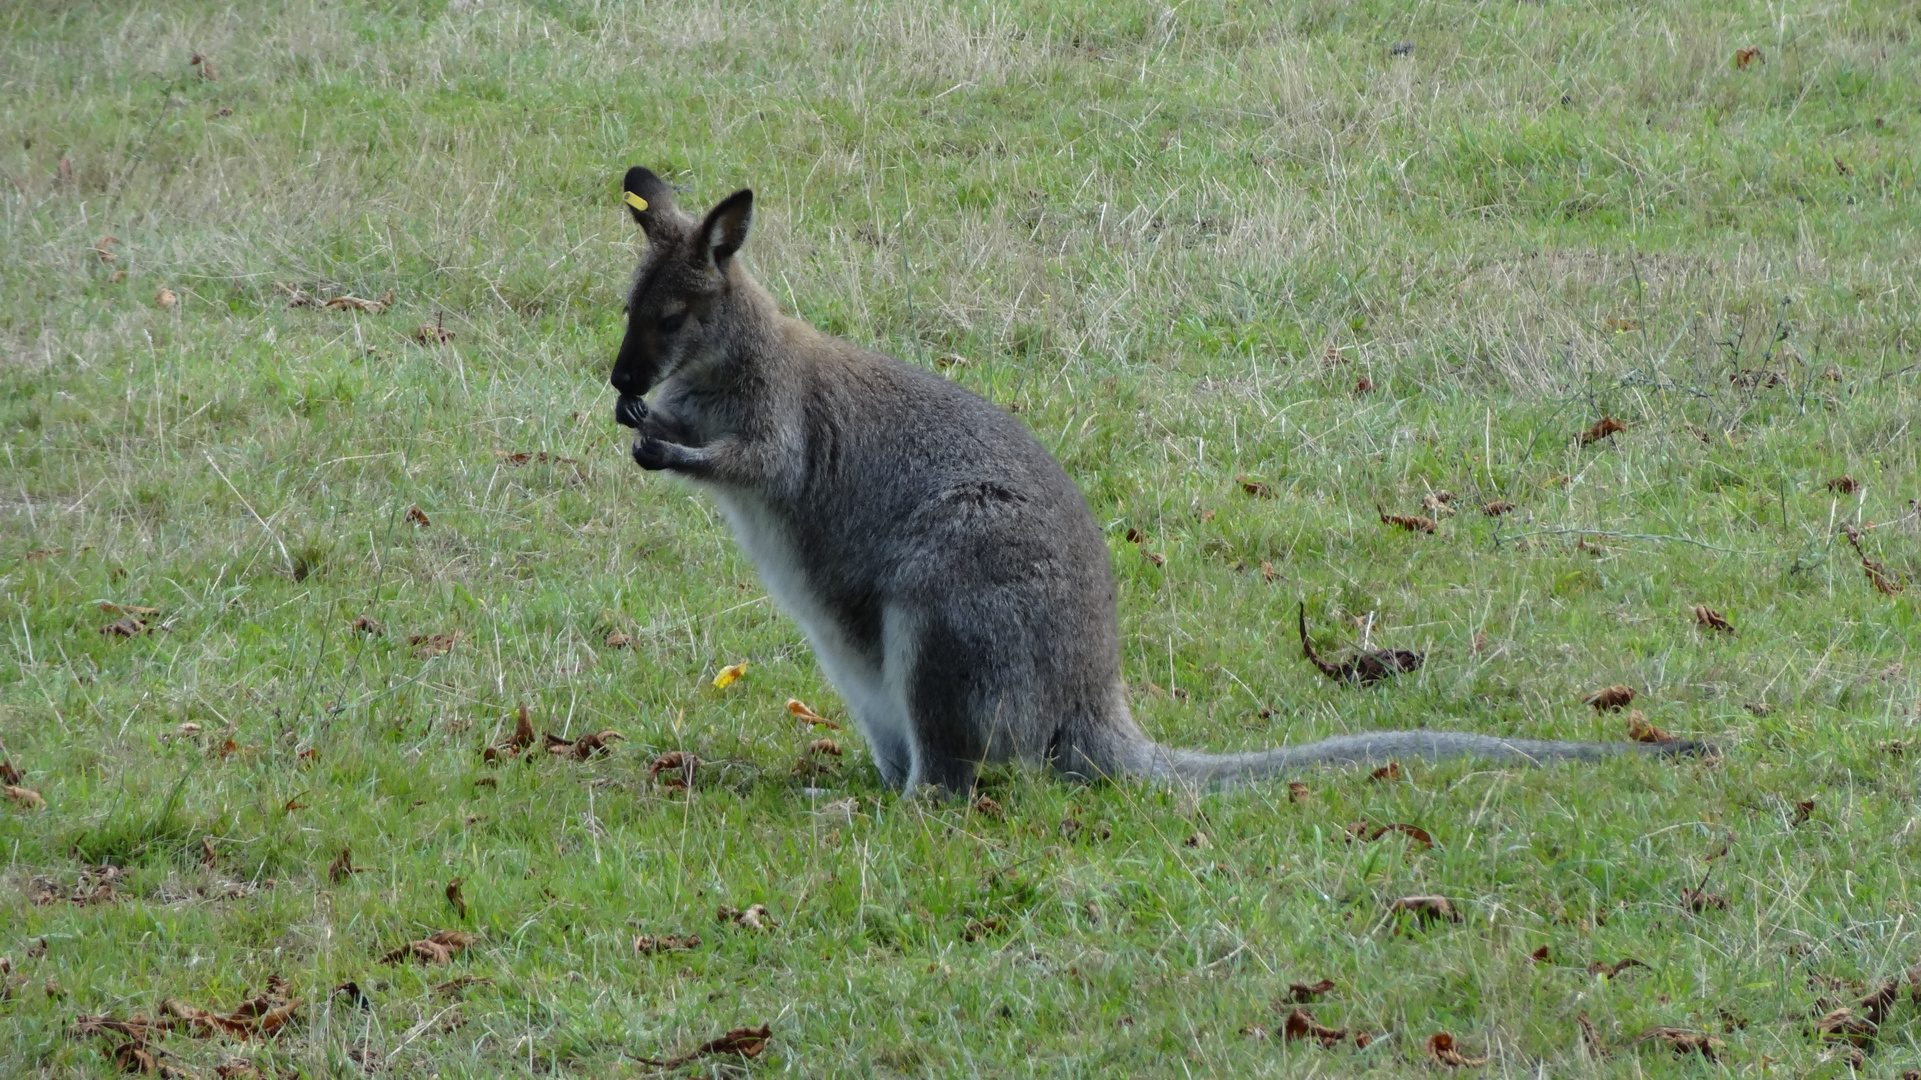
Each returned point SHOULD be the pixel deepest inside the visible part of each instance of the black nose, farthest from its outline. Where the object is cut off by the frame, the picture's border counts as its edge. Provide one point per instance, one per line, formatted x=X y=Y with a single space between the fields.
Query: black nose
x=629 y=411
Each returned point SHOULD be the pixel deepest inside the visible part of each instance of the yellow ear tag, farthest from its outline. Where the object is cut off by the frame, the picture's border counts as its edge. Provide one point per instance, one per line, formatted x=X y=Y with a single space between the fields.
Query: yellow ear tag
x=636 y=201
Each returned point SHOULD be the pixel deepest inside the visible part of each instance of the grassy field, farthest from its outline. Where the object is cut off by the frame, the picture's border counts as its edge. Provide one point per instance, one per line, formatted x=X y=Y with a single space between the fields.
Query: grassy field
x=1256 y=273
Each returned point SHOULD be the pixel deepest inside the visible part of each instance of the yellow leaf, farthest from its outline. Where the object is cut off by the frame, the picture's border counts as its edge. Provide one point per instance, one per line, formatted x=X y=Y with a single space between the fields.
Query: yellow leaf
x=729 y=674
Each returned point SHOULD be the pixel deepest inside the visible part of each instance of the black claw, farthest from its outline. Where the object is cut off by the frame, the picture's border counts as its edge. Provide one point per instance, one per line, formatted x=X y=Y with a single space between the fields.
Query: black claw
x=630 y=410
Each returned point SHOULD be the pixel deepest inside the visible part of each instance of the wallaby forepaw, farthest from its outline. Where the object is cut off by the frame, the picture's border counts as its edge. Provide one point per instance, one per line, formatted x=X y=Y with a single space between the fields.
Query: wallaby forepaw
x=657 y=454
x=630 y=410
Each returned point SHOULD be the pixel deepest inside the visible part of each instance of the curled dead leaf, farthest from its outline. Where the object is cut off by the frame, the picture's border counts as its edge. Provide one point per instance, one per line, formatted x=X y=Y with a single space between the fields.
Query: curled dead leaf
x=1302 y=1025
x=743 y=1042
x=647 y=945
x=1590 y=1037
x=1604 y=427
x=370 y=627
x=729 y=675
x=1803 y=810
x=1259 y=489
x=1612 y=699
x=127 y=627
x=798 y=710
x=10 y=773
x=343 y=866
x=429 y=646
x=674 y=769
x=1710 y=619
x=1387 y=773
x=1643 y=732
x=1497 y=508
x=454 y=897
x=355 y=303
x=441 y=948
x=25 y=798
x=1846 y=1025
x=1425 y=909
x=1540 y=956
x=1363 y=669
x=1363 y=385
x=1844 y=485
x=1298 y=792
x=1440 y=1047
x=584 y=747
x=1365 y=832
x=1301 y=993
x=1409 y=522
x=436 y=334
x=987 y=807
x=618 y=640
x=165 y=299
x=417 y=517
x=1701 y=902
x=752 y=917
x=1614 y=969
x=1684 y=1042
x=1744 y=57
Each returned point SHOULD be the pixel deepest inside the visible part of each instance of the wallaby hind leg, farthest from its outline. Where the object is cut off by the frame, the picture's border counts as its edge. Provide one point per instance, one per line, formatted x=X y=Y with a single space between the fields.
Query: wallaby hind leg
x=939 y=675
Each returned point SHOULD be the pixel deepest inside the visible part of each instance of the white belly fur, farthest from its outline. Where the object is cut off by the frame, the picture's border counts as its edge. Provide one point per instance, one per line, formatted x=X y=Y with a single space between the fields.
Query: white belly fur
x=873 y=699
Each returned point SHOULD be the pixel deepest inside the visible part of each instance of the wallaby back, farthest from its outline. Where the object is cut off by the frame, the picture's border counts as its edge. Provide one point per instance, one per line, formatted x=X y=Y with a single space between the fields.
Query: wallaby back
x=948 y=574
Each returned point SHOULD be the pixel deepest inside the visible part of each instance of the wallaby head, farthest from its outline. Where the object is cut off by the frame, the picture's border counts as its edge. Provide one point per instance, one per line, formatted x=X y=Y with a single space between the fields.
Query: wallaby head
x=687 y=295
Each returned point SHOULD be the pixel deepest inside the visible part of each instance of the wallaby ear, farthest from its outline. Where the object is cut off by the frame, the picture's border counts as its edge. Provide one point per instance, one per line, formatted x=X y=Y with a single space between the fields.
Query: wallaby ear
x=648 y=197
x=725 y=230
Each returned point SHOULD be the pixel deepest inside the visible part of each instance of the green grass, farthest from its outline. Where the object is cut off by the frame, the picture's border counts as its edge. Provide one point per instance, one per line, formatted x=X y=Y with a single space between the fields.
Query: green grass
x=1173 y=238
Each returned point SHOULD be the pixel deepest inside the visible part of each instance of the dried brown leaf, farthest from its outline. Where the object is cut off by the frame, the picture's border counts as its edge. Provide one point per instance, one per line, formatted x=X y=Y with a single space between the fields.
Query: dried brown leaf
x=744 y=1042
x=1803 y=810
x=1604 y=427
x=1259 y=489
x=1497 y=508
x=1684 y=1042
x=798 y=710
x=25 y=798
x=1844 y=484
x=1387 y=773
x=674 y=769
x=127 y=627
x=165 y=299
x=1425 y=909
x=1363 y=385
x=1297 y=792
x=1710 y=619
x=1612 y=699
x=1701 y=902
x=1409 y=522
x=646 y=944
x=417 y=517
x=1365 y=668
x=987 y=807
x=618 y=640
x=355 y=303
x=1301 y=993
x=1745 y=57
x=370 y=627
x=9 y=773
x=1614 y=969
x=1440 y=1046
x=1590 y=1037
x=454 y=897
x=428 y=646
x=1302 y=1025
x=1643 y=732
x=343 y=866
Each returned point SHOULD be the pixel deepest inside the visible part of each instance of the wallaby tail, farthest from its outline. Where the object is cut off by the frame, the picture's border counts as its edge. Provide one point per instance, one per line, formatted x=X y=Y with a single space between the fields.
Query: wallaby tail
x=1380 y=747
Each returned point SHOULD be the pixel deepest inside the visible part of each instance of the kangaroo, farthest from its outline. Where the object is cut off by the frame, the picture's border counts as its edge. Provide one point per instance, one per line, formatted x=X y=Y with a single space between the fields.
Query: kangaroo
x=948 y=574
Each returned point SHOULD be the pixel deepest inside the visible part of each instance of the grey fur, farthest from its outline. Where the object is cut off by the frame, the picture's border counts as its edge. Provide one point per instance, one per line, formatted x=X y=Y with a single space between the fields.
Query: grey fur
x=948 y=574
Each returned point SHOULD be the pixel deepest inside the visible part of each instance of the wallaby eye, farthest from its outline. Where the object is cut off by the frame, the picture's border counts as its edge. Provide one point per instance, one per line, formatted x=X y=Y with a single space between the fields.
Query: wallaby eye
x=671 y=323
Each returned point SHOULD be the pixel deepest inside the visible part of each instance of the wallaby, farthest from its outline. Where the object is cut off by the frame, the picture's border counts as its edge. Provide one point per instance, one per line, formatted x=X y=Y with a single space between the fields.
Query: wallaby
x=950 y=577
